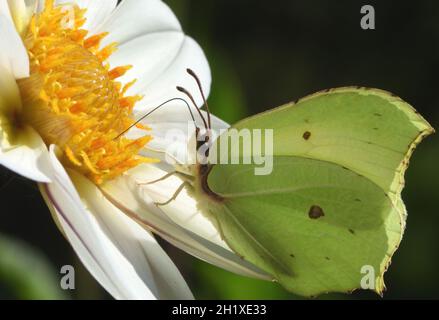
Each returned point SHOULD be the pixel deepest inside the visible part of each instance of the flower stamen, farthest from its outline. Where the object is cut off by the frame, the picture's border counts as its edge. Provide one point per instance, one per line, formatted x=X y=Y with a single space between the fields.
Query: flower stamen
x=72 y=97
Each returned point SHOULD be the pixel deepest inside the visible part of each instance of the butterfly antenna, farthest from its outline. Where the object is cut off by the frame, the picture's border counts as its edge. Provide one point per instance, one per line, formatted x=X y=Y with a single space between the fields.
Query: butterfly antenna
x=200 y=87
x=154 y=110
x=187 y=93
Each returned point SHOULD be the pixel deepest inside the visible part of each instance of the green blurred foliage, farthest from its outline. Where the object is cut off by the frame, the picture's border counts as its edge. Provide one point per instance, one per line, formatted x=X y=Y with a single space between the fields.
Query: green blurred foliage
x=227 y=100
x=215 y=283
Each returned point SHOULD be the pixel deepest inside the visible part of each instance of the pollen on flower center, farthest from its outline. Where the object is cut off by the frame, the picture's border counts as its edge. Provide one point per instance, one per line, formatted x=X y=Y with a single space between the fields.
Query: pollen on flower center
x=72 y=97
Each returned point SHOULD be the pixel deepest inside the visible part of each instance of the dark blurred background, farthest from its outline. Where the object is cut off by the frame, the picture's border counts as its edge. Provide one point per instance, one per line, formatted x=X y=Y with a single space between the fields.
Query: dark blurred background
x=263 y=54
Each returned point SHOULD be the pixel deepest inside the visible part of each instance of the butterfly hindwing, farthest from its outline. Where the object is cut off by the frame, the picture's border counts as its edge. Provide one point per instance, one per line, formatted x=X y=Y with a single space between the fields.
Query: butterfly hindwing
x=311 y=224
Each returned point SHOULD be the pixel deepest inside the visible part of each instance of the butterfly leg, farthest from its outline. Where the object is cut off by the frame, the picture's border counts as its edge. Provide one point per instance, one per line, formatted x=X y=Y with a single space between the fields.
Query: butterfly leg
x=174 y=197
x=166 y=176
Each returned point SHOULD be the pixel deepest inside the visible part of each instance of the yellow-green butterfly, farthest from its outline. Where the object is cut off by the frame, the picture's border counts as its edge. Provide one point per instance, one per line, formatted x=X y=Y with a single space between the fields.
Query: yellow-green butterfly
x=332 y=204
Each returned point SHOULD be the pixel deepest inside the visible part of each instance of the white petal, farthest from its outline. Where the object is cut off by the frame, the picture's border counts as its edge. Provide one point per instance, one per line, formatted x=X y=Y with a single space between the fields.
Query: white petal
x=4 y=10
x=21 y=149
x=123 y=257
x=97 y=13
x=151 y=263
x=27 y=155
x=159 y=63
x=199 y=238
x=21 y=12
x=183 y=211
x=134 y=18
x=150 y=39
x=13 y=55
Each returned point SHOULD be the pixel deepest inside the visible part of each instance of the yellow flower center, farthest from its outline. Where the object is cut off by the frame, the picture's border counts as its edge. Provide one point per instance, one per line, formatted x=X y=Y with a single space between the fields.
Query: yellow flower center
x=72 y=97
